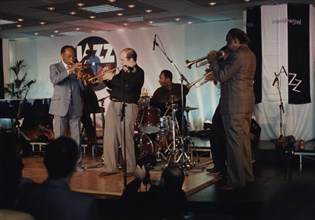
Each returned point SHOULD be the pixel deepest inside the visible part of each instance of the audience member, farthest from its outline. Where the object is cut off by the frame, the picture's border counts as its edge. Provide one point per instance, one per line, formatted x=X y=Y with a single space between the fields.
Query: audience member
x=166 y=200
x=10 y=177
x=54 y=199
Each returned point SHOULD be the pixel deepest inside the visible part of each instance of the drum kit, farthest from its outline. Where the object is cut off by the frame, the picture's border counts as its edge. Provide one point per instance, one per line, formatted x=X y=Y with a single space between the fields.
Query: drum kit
x=160 y=135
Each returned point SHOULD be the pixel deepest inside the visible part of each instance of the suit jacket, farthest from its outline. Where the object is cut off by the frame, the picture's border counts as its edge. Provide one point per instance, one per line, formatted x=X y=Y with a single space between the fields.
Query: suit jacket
x=67 y=88
x=53 y=200
x=236 y=76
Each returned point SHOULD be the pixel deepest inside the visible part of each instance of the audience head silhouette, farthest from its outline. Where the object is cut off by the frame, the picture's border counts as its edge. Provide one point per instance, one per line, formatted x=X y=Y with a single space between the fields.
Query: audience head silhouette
x=172 y=177
x=10 y=168
x=60 y=157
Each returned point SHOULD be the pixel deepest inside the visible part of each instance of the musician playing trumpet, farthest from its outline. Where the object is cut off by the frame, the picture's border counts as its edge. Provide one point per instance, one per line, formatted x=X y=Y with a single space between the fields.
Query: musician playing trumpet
x=237 y=104
x=122 y=113
x=66 y=103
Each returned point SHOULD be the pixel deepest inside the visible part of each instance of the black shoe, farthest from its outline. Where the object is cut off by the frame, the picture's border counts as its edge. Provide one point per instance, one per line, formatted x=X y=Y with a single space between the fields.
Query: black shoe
x=213 y=170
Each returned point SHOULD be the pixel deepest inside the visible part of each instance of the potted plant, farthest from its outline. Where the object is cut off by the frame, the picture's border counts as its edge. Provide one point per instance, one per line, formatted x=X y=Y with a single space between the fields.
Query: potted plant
x=17 y=87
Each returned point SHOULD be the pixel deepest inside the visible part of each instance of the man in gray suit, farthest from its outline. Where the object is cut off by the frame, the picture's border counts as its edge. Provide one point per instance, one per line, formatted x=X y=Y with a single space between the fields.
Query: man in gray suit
x=236 y=106
x=66 y=102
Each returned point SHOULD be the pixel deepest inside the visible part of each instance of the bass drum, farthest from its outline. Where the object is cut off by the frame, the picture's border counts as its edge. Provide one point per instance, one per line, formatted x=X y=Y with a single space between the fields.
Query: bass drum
x=143 y=144
x=144 y=149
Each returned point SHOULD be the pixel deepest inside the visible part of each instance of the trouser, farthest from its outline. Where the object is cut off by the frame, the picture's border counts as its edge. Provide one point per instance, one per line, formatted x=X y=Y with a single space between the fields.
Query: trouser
x=239 y=165
x=119 y=131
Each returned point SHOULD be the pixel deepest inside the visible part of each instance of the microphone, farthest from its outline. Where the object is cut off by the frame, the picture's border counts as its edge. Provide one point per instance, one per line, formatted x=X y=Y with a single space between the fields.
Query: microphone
x=131 y=69
x=30 y=83
x=154 y=42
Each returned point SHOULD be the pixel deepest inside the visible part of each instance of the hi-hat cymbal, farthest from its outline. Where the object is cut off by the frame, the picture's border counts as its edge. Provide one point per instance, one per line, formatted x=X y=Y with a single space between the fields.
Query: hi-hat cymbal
x=170 y=93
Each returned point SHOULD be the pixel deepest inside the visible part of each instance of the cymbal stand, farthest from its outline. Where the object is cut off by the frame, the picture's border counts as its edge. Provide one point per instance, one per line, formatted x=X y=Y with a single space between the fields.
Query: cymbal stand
x=182 y=79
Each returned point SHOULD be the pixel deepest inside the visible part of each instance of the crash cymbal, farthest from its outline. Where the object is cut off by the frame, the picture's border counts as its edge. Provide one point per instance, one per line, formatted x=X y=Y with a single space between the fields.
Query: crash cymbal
x=170 y=93
x=187 y=108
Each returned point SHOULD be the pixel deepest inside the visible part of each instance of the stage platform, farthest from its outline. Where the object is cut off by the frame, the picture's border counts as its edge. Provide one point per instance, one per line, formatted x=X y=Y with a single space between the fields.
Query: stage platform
x=271 y=170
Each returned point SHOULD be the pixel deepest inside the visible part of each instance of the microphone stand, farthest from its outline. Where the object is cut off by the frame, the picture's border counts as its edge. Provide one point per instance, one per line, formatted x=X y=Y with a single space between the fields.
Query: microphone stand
x=182 y=79
x=16 y=127
x=123 y=133
x=281 y=108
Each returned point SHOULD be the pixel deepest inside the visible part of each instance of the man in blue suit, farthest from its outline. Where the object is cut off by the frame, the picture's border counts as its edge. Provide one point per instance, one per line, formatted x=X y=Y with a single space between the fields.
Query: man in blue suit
x=66 y=103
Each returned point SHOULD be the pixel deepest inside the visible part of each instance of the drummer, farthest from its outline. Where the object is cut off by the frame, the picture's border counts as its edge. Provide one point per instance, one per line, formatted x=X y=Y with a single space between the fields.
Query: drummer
x=169 y=93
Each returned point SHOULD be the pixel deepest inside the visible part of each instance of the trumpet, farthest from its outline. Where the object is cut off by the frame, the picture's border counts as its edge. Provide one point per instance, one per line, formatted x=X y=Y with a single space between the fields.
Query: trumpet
x=199 y=82
x=203 y=60
x=95 y=79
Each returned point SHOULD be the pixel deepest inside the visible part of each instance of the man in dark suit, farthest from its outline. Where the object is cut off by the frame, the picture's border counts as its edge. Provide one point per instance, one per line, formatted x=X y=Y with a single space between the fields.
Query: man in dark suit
x=66 y=103
x=236 y=105
x=53 y=199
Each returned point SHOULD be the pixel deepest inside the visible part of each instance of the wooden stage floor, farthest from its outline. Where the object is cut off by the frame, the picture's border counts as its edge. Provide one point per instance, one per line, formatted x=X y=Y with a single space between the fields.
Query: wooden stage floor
x=89 y=182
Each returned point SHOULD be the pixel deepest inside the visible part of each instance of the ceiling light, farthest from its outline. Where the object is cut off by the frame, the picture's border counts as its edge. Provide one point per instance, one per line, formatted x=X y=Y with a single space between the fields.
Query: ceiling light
x=120 y=14
x=77 y=29
x=111 y=1
x=246 y=0
x=212 y=3
x=52 y=35
x=42 y=22
x=18 y=25
x=148 y=10
x=92 y=17
x=177 y=19
x=151 y=22
x=56 y=31
x=189 y=22
x=126 y=24
x=20 y=19
x=36 y=33
x=131 y=6
x=80 y=4
x=51 y=8
x=72 y=12
x=102 y=9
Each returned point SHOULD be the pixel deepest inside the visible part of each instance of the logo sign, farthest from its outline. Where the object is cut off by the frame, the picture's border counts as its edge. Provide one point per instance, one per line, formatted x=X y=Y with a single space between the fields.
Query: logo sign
x=96 y=53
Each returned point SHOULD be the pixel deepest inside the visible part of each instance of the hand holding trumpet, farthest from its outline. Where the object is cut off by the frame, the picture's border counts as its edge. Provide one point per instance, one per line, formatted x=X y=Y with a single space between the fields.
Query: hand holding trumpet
x=212 y=55
x=75 y=68
x=209 y=76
